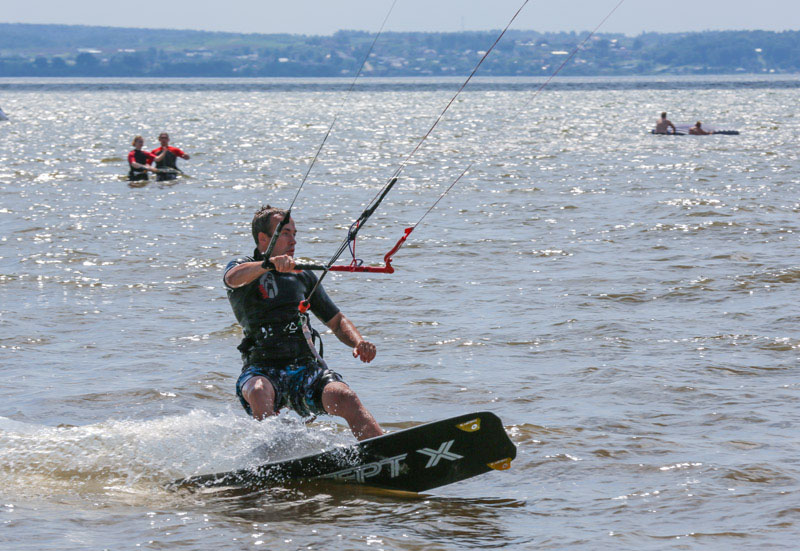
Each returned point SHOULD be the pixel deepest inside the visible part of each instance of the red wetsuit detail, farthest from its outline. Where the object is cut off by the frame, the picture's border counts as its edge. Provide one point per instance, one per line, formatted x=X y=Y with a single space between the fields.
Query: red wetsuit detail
x=149 y=157
x=174 y=150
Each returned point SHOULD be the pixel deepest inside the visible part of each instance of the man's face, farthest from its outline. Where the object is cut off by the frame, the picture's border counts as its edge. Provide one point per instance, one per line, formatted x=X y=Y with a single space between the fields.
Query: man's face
x=286 y=241
x=163 y=139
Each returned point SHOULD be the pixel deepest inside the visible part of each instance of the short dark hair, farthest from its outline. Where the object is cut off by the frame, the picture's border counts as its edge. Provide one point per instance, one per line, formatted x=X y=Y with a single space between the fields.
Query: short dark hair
x=664 y=115
x=261 y=220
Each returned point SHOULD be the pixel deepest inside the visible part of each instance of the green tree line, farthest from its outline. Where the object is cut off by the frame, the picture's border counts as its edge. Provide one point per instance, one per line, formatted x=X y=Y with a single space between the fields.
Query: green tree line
x=61 y=50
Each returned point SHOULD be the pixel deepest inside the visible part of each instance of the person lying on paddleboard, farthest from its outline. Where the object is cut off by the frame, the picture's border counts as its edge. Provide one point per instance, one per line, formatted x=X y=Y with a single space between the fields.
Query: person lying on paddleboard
x=281 y=367
x=169 y=160
x=140 y=161
x=663 y=125
x=697 y=130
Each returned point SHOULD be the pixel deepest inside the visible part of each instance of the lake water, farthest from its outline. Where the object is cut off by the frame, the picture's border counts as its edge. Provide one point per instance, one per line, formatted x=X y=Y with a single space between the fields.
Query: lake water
x=626 y=303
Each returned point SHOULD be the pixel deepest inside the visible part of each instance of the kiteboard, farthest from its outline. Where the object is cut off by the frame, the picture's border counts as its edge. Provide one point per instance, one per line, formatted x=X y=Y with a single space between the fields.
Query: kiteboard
x=410 y=460
x=682 y=133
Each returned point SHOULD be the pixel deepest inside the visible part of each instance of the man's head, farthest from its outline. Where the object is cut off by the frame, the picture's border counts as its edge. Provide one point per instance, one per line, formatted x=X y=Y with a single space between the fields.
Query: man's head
x=265 y=220
x=163 y=138
x=699 y=124
x=664 y=115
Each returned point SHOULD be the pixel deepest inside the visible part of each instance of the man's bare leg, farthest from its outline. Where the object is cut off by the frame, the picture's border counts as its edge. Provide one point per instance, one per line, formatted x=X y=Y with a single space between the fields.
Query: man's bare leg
x=339 y=399
x=260 y=395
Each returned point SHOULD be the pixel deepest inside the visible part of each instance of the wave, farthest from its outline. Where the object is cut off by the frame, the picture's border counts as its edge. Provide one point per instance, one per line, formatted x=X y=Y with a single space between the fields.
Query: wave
x=141 y=456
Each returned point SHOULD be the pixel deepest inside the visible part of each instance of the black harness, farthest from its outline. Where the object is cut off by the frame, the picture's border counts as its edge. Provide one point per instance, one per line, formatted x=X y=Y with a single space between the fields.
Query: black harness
x=284 y=339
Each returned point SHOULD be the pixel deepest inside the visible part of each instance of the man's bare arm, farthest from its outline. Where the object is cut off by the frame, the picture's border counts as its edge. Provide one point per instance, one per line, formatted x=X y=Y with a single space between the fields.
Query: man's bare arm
x=243 y=274
x=347 y=333
x=248 y=272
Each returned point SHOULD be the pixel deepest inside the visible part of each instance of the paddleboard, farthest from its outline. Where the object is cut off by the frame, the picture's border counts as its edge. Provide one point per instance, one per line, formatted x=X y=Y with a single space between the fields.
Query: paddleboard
x=682 y=133
x=410 y=460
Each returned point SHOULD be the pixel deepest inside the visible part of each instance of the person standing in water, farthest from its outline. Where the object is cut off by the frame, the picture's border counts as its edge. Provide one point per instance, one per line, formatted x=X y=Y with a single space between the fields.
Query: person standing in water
x=664 y=124
x=140 y=161
x=169 y=160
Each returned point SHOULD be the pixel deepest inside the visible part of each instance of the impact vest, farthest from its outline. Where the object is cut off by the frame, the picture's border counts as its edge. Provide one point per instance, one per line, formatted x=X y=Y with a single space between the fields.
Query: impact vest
x=168 y=161
x=135 y=174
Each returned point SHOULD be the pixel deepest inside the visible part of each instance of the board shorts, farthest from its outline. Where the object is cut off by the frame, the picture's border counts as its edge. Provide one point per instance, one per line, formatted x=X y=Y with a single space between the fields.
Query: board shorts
x=297 y=386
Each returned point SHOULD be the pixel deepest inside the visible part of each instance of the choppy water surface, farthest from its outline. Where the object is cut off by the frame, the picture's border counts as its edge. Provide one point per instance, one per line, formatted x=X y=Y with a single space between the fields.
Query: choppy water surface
x=626 y=303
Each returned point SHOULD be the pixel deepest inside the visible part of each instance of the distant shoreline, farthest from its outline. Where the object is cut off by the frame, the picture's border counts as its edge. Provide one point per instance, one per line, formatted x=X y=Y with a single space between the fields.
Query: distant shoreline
x=82 y=51
x=681 y=82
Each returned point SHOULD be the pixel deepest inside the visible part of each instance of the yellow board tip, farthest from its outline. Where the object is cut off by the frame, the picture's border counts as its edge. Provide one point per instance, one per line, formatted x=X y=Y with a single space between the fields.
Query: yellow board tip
x=501 y=465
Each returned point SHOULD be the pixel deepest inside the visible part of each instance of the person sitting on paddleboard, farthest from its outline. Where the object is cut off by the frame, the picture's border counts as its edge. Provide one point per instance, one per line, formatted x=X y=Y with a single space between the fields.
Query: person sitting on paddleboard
x=663 y=125
x=169 y=160
x=281 y=365
x=140 y=161
x=697 y=130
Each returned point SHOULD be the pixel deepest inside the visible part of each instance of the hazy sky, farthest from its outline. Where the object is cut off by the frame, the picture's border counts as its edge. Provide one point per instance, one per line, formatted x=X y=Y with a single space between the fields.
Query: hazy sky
x=328 y=16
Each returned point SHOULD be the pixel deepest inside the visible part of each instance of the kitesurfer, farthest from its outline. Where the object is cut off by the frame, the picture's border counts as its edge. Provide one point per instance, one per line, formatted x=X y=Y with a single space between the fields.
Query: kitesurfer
x=169 y=160
x=281 y=367
x=140 y=161
x=663 y=125
x=697 y=130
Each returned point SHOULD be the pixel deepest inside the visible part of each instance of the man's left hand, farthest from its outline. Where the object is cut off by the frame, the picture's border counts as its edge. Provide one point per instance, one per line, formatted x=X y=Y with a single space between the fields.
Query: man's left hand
x=365 y=350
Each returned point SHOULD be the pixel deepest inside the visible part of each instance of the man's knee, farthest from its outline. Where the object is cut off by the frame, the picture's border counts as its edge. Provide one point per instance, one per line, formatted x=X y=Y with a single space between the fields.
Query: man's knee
x=338 y=397
x=258 y=389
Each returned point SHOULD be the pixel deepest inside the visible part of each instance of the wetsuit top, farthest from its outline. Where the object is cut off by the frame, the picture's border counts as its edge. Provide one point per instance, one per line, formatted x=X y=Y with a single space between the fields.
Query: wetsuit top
x=169 y=159
x=266 y=306
x=141 y=157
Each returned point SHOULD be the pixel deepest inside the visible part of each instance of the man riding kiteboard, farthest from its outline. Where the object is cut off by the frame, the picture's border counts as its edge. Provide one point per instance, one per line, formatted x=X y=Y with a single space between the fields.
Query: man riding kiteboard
x=281 y=367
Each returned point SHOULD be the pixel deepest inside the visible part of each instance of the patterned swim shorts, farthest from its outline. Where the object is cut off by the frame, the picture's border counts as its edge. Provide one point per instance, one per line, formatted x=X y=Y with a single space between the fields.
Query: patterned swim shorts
x=298 y=387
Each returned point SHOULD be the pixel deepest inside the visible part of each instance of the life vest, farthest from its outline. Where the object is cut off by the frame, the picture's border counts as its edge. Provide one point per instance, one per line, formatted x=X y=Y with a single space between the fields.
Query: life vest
x=168 y=161
x=136 y=174
x=282 y=342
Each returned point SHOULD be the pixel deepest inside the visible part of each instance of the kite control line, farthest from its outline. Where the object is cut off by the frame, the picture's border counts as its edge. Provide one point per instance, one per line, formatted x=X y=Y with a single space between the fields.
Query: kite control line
x=268 y=253
x=356 y=265
x=349 y=241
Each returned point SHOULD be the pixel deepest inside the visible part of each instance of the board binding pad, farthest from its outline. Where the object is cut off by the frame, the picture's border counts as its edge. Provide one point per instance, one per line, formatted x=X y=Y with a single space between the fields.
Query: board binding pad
x=410 y=460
